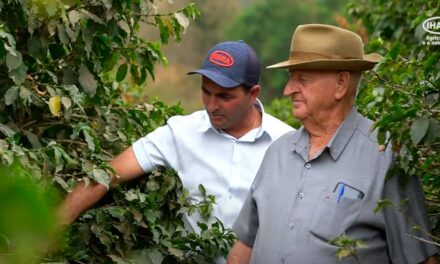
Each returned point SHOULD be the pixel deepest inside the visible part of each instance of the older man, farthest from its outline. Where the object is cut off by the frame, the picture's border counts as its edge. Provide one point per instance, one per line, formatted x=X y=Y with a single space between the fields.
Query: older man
x=325 y=179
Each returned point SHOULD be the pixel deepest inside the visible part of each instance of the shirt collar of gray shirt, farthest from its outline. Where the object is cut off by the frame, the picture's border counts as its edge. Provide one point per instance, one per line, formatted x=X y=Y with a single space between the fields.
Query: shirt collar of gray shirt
x=301 y=139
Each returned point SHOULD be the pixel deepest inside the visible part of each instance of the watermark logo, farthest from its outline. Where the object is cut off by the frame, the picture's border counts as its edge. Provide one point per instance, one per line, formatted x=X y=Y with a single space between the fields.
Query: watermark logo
x=432 y=27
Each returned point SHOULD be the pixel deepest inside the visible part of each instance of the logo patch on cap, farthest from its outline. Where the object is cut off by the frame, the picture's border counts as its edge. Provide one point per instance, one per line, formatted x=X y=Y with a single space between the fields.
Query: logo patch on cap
x=221 y=58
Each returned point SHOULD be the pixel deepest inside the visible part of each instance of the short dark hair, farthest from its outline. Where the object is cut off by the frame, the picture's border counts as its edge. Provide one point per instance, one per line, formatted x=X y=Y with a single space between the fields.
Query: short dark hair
x=247 y=87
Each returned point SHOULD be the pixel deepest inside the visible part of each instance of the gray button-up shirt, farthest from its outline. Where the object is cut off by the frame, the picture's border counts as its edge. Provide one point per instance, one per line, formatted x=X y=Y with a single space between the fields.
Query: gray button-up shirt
x=296 y=205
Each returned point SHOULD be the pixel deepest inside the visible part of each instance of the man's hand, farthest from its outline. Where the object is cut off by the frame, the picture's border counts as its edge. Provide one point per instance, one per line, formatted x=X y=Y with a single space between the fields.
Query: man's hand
x=240 y=253
x=82 y=198
x=431 y=260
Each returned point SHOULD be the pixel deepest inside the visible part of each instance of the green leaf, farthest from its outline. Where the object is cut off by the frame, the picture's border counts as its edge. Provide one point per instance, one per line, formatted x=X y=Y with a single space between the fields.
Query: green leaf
x=11 y=95
x=119 y=260
x=155 y=256
x=14 y=62
x=25 y=95
x=382 y=204
x=419 y=128
x=33 y=139
x=62 y=182
x=131 y=196
x=74 y=17
x=343 y=253
x=51 y=7
x=433 y=132
x=18 y=75
x=87 y=80
x=7 y=131
x=432 y=98
x=202 y=190
x=124 y=26
x=122 y=72
x=62 y=34
x=182 y=19
x=101 y=177
x=89 y=139
x=92 y=16
x=176 y=252
x=163 y=30
x=67 y=103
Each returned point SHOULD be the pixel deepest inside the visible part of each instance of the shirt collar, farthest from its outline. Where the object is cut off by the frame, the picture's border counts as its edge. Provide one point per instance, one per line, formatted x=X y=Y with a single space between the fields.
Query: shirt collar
x=206 y=124
x=337 y=143
x=345 y=131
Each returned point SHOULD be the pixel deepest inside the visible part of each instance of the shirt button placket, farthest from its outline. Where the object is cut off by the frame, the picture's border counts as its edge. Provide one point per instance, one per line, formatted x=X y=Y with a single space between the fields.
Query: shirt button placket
x=308 y=165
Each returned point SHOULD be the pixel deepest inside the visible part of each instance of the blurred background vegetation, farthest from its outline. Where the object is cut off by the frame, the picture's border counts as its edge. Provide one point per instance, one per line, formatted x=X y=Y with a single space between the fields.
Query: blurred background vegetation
x=266 y=25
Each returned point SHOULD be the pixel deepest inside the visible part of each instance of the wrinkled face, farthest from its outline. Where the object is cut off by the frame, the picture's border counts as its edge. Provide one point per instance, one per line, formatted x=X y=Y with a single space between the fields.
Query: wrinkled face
x=312 y=93
x=226 y=107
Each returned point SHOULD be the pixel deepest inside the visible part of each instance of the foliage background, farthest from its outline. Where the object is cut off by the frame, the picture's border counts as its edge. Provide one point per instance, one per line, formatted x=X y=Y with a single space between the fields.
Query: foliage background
x=73 y=74
x=69 y=73
x=402 y=95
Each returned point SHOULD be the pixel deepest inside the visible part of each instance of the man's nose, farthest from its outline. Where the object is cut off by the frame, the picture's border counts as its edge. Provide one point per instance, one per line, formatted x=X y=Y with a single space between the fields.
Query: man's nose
x=212 y=104
x=290 y=88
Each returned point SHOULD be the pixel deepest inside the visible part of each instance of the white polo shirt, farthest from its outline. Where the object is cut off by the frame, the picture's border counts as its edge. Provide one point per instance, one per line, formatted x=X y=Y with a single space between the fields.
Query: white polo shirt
x=201 y=154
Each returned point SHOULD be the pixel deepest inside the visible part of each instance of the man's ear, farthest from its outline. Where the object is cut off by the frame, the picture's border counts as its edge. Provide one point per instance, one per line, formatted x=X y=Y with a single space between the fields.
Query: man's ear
x=342 y=84
x=255 y=91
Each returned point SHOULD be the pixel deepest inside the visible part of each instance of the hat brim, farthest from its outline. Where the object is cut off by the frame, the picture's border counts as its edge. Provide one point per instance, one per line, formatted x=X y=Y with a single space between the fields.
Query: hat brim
x=366 y=63
x=217 y=77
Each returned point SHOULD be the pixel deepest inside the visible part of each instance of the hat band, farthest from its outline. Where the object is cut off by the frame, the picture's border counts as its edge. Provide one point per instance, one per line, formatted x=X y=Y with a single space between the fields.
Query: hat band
x=305 y=56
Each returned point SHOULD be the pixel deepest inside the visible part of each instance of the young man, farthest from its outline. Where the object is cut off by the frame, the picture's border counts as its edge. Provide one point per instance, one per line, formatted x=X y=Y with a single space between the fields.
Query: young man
x=220 y=147
x=325 y=179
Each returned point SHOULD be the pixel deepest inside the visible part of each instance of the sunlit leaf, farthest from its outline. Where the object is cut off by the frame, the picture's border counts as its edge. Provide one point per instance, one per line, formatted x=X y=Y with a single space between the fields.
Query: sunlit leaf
x=343 y=253
x=124 y=26
x=7 y=131
x=67 y=103
x=74 y=17
x=100 y=176
x=182 y=19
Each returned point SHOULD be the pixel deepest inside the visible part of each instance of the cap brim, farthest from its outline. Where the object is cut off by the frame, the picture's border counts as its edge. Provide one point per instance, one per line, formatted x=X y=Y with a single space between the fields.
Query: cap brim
x=216 y=77
x=366 y=63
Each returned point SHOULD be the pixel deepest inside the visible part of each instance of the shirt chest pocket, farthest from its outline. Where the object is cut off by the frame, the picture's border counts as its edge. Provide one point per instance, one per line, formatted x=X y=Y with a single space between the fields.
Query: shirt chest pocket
x=332 y=217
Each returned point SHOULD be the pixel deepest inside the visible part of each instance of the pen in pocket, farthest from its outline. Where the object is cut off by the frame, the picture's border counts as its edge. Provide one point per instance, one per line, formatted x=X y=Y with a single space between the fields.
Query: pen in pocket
x=341 y=192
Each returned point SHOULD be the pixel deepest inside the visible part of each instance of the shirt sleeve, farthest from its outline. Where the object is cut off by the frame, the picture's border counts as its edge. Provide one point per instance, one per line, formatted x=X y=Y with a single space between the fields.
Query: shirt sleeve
x=246 y=224
x=400 y=222
x=158 y=148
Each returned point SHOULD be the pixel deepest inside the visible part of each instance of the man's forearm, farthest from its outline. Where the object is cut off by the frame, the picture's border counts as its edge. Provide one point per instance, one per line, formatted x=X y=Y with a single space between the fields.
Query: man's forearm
x=80 y=200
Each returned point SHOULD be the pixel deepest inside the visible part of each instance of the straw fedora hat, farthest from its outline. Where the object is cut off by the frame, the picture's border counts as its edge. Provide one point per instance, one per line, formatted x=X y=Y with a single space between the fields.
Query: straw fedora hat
x=325 y=47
